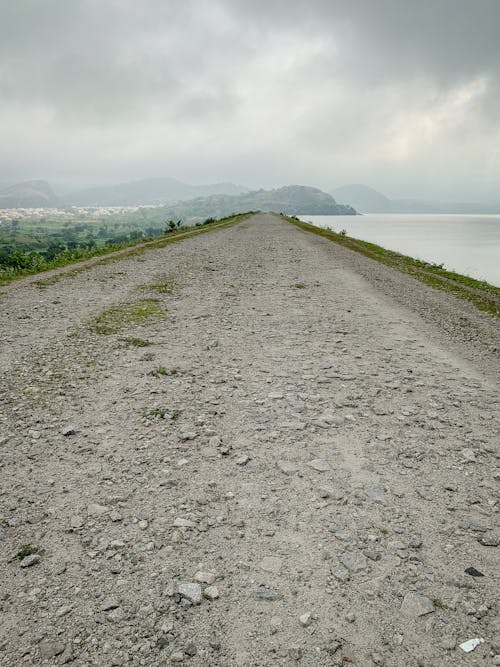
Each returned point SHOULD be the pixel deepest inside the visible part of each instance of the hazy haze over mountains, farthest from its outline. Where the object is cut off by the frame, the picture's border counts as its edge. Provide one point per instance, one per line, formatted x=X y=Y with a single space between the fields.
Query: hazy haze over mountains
x=399 y=94
x=366 y=199
x=149 y=191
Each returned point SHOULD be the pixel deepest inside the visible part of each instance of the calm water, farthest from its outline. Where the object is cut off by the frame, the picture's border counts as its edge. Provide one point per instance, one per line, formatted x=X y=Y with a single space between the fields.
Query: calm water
x=467 y=244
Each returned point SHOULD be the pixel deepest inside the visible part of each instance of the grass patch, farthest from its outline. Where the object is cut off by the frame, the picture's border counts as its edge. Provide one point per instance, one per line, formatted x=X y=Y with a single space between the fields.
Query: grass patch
x=155 y=413
x=484 y=296
x=26 y=550
x=117 y=317
x=299 y=286
x=439 y=604
x=136 y=342
x=161 y=286
x=158 y=372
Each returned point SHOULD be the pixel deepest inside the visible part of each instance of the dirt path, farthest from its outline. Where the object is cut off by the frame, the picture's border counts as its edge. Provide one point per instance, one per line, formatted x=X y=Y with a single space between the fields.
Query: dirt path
x=297 y=470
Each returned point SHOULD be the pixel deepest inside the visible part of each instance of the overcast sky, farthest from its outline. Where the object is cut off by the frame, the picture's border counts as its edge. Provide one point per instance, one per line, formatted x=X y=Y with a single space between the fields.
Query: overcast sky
x=403 y=95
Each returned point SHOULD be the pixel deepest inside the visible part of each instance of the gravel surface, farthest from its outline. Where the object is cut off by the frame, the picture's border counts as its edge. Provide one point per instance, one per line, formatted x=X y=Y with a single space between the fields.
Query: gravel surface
x=300 y=468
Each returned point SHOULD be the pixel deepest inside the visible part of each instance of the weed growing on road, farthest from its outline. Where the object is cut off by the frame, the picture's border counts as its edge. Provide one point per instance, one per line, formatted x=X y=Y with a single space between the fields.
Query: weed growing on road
x=136 y=342
x=117 y=317
x=26 y=550
x=158 y=372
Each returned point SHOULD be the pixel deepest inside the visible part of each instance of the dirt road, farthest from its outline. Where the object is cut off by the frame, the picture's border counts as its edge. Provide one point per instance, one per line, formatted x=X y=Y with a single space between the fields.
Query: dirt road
x=285 y=464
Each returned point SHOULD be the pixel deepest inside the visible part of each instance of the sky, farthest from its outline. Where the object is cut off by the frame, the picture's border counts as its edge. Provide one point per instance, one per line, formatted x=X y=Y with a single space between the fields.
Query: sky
x=398 y=94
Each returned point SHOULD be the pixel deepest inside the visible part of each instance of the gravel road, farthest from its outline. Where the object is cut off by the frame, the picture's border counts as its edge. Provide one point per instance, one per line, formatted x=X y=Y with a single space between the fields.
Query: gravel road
x=299 y=467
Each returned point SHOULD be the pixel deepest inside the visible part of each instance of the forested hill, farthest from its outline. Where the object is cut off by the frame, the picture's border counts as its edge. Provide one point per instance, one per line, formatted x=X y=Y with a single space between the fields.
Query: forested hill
x=291 y=199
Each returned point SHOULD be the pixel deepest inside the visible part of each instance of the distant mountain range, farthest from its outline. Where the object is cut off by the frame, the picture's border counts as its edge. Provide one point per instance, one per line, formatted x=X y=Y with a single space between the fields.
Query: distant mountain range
x=39 y=194
x=149 y=191
x=181 y=200
x=29 y=194
x=367 y=200
x=291 y=199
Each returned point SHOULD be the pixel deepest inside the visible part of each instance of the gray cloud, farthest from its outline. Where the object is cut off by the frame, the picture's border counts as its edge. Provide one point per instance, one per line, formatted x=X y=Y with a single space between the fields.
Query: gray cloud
x=399 y=94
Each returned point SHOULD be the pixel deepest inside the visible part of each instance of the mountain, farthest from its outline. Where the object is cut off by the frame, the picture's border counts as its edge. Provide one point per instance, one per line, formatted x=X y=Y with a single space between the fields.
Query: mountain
x=29 y=194
x=367 y=200
x=364 y=198
x=149 y=191
x=291 y=199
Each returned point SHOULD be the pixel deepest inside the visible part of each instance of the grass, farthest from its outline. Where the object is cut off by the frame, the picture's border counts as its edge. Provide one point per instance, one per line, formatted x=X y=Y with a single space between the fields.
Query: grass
x=158 y=372
x=136 y=342
x=160 y=285
x=117 y=317
x=481 y=294
x=439 y=604
x=154 y=413
x=26 y=550
x=299 y=286
x=116 y=253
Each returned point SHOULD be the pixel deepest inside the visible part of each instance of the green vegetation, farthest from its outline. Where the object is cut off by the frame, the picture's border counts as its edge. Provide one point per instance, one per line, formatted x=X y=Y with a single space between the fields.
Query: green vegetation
x=299 y=286
x=117 y=317
x=484 y=296
x=155 y=413
x=18 y=260
x=439 y=604
x=161 y=285
x=26 y=550
x=136 y=342
x=158 y=372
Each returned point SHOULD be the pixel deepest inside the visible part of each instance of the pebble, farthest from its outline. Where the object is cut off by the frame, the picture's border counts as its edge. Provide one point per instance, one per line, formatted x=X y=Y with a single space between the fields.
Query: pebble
x=415 y=604
x=50 y=649
x=94 y=509
x=489 y=540
x=116 y=615
x=267 y=594
x=190 y=591
x=275 y=623
x=183 y=523
x=271 y=564
x=320 y=465
x=69 y=430
x=108 y=604
x=468 y=455
x=211 y=592
x=177 y=657
x=415 y=541
x=191 y=649
x=341 y=573
x=305 y=619
x=354 y=561
x=287 y=467
x=32 y=559
x=204 y=577
x=295 y=652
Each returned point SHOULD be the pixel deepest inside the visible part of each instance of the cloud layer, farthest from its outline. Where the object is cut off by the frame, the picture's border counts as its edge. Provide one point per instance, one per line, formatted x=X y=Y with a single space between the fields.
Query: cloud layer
x=398 y=94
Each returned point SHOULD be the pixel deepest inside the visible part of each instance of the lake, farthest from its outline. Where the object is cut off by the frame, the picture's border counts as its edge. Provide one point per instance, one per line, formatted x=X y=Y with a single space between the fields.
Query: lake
x=467 y=244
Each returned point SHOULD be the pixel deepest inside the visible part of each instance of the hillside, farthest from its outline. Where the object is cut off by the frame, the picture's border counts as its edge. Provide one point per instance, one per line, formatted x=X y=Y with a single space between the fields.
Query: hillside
x=149 y=192
x=29 y=194
x=291 y=199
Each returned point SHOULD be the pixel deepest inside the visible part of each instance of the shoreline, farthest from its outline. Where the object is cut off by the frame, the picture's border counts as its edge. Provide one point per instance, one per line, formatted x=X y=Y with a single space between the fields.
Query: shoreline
x=484 y=296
